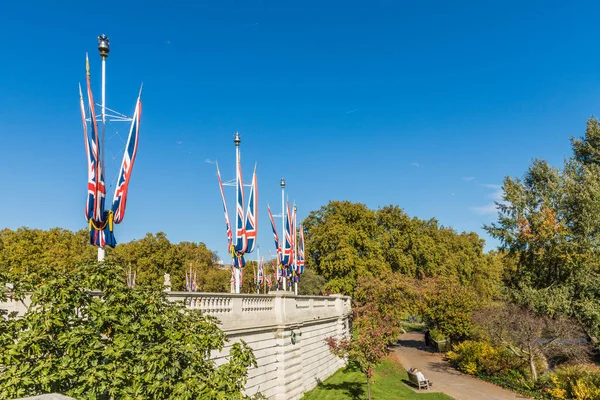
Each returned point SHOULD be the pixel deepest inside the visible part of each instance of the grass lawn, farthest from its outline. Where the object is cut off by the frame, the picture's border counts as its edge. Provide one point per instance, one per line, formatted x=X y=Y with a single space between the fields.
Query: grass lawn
x=350 y=384
x=413 y=326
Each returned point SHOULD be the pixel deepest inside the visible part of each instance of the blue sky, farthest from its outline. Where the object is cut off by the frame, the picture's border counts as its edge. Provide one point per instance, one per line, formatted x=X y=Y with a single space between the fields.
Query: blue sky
x=427 y=105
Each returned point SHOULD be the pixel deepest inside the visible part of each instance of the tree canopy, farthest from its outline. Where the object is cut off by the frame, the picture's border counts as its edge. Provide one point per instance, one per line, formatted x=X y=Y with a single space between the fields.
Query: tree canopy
x=549 y=223
x=347 y=241
x=118 y=343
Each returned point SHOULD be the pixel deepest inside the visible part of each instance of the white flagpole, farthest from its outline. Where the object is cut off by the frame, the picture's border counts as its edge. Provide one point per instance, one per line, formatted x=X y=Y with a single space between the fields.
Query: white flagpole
x=103 y=43
x=295 y=253
x=282 y=183
x=258 y=269
x=237 y=142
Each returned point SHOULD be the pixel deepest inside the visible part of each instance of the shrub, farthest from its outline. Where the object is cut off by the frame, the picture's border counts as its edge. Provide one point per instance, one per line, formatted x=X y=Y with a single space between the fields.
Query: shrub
x=482 y=358
x=472 y=357
x=437 y=335
x=578 y=382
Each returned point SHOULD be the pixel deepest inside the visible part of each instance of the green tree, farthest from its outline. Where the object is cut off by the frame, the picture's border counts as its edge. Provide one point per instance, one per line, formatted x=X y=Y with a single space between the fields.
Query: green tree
x=122 y=343
x=341 y=245
x=549 y=223
x=448 y=307
x=311 y=283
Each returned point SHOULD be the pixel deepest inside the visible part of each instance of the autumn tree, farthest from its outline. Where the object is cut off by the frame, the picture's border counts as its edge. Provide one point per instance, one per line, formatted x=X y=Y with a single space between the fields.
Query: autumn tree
x=372 y=334
x=549 y=224
x=531 y=337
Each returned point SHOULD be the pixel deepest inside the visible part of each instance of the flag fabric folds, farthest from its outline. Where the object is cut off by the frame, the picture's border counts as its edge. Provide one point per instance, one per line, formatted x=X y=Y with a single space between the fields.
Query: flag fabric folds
x=287 y=258
x=120 y=197
x=251 y=219
x=227 y=223
x=240 y=226
x=300 y=269
x=101 y=221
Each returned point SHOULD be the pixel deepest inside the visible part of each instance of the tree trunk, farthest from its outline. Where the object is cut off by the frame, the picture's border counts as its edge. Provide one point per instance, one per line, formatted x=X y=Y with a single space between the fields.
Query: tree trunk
x=534 y=376
x=368 y=388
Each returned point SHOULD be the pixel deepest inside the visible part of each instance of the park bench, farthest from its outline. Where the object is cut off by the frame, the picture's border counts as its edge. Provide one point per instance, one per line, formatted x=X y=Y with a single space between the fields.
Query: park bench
x=415 y=381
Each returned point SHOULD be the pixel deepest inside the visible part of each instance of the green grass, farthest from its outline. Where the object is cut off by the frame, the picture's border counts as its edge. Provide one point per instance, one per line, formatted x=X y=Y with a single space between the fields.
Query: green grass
x=413 y=326
x=389 y=384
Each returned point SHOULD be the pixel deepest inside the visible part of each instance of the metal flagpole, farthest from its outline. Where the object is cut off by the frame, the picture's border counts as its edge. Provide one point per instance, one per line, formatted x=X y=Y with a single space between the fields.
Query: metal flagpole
x=237 y=142
x=282 y=183
x=295 y=254
x=258 y=269
x=103 y=47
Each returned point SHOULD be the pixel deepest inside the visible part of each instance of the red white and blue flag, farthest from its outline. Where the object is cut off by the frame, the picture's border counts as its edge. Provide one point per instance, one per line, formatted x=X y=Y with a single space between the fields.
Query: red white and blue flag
x=300 y=268
x=120 y=197
x=287 y=258
x=101 y=221
x=252 y=216
x=240 y=228
x=275 y=236
x=227 y=223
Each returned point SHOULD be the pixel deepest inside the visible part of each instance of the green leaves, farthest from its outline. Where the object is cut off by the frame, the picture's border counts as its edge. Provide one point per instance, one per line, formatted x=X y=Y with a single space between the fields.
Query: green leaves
x=122 y=343
x=549 y=223
x=347 y=242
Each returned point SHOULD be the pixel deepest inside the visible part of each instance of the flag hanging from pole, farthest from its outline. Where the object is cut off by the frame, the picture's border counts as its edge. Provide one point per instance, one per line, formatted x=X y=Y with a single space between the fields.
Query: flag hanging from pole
x=287 y=251
x=240 y=229
x=301 y=250
x=120 y=197
x=227 y=223
x=275 y=236
x=251 y=219
x=101 y=221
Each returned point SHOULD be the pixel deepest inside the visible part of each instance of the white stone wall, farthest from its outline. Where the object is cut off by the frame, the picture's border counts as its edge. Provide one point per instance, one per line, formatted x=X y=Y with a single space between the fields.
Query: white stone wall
x=265 y=322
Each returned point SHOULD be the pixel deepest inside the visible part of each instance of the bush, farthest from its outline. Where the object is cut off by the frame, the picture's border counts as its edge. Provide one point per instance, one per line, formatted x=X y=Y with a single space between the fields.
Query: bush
x=578 y=382
x=482 y=358
x=437 y=335
x=473 y=357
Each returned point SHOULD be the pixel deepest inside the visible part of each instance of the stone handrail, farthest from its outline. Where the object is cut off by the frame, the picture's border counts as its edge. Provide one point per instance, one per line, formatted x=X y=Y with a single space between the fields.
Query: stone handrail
x=243 y=311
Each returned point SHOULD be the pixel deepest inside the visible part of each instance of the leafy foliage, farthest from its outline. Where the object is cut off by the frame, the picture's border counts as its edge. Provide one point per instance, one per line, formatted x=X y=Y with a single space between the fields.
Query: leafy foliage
x=368 y=345
x=448 y=307
x=533 y=338
x=32 y=255
x=579 y=382
x=549 y=223
x=116 y=343
x=347 y=242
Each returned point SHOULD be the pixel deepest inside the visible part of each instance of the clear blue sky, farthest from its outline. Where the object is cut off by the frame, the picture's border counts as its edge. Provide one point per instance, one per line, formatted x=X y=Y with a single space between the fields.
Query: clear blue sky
x=427 y=105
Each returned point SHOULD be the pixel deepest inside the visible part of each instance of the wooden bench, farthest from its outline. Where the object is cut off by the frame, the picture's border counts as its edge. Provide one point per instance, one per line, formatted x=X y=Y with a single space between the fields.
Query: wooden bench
x=415 y=381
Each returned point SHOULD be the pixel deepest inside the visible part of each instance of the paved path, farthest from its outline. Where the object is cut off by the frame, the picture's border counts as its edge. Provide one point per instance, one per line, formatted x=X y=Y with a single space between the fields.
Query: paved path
x=412 y=352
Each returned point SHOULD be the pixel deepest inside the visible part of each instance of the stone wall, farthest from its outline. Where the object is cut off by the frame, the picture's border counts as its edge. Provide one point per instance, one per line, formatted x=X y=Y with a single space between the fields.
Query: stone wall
x=265 y=322
x=286 y=369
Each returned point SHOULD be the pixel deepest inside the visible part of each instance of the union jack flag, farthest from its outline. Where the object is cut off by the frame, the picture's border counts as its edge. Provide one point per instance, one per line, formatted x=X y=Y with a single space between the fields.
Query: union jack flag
x=120 y=197
x=275 y=236
x=240 y=229
x=288 y=251
x=101 y=221
x=227 y=223
x=301 y=251
x=252 y=216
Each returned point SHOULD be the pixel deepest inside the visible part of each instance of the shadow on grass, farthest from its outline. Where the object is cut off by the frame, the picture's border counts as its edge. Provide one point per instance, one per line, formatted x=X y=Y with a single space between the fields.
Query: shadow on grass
x=354 y=390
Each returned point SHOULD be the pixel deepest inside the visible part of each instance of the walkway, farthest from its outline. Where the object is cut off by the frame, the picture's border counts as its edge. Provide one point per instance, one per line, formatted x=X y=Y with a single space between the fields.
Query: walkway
x=412 y=352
